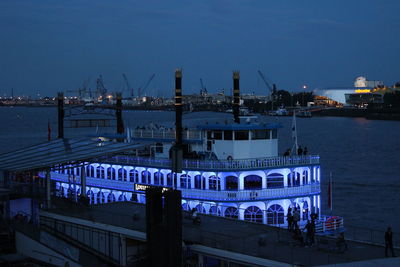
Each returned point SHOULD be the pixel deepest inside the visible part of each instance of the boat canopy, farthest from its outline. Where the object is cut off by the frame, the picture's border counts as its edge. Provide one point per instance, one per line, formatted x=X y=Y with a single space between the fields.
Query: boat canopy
x=62 y=151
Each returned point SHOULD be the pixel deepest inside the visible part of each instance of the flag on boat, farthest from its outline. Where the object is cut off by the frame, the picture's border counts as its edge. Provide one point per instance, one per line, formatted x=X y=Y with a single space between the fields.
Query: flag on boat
x=48 y=131
x=330 y=192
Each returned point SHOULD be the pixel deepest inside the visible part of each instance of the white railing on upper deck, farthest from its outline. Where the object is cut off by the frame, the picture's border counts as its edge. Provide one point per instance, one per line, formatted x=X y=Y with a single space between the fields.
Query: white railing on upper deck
x=210 y=165
x=212 y=195
x=260 y=194
x=164 y=134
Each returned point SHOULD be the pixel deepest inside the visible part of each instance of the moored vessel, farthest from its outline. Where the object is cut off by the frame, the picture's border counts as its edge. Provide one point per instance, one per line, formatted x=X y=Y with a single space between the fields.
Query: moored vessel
x=226 y=169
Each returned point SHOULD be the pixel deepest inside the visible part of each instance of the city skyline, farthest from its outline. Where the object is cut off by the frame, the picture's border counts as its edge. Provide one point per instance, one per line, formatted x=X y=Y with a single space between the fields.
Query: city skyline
x=54 y=46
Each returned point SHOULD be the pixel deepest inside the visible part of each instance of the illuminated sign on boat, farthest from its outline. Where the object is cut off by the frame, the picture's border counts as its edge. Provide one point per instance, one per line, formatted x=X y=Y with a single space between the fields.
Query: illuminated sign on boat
x=359 y=91
x=143 y=187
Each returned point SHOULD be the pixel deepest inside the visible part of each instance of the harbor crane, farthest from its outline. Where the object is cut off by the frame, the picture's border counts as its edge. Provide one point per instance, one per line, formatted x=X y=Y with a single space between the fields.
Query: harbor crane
x=203 y=91
x=101 y=89
x=271 y=89
x=143 y=88
x=81 y=91
x=129 y=88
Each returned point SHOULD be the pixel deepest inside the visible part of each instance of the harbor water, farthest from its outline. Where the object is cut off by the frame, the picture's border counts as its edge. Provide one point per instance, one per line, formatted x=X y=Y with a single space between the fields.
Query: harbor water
x=362 y=155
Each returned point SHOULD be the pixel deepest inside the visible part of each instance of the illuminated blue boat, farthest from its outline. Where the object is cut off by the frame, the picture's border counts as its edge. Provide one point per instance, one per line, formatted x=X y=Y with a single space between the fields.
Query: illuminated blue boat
x=230 y=170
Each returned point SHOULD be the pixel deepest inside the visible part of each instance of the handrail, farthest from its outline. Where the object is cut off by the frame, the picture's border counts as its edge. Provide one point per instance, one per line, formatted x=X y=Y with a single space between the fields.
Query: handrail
x=164 y=134
x=225 y=195
x=242 y=164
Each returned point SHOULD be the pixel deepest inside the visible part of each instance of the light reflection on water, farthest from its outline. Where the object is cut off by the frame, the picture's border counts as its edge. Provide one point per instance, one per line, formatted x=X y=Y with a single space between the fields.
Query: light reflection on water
x=363 y=155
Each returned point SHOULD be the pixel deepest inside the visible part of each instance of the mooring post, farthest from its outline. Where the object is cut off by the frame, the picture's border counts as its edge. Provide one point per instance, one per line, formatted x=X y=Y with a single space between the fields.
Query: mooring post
x=118 y=114
x=48 y=189
x=60 y=108
x=236 y=96
x=177 y=151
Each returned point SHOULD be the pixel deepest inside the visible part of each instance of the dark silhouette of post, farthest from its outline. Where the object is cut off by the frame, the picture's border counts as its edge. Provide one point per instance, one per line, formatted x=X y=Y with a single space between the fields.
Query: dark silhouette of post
x=173 y=214
x=177 y=151
x=60 y=108
x=236 y=96
x=178 y=106
x=154 y=228
x=163 y=228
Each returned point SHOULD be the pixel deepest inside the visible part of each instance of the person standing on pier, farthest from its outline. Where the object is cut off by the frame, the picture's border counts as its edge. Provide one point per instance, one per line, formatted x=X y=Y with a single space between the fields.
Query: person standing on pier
x=389 y=241
x=296 y=218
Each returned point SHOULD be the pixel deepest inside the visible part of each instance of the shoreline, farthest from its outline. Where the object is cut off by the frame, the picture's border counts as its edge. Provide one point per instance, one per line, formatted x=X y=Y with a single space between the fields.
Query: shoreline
x=369 y=114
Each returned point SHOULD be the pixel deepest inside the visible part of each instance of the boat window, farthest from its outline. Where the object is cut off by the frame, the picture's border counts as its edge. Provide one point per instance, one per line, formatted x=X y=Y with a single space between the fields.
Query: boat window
x=274 y=134
x=186 y=181
x=275 y=214
x=252 y=182
x=214 y=210
x=214 y=183
x=253 y=214
x=228 y=135
x=260 y=134
x=232 y=212
x=241 y=135
x=231 y=183
x=275 y=180
x=197 y=182
x=217 y=135
x=133 y=176
x=122 y=174
x=293 y=179
x=158 y=178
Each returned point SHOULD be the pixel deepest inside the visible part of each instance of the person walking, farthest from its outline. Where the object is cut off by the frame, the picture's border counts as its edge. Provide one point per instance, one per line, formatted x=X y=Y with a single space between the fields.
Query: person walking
x=389 y=241
x=305 y=151
x=310 y=234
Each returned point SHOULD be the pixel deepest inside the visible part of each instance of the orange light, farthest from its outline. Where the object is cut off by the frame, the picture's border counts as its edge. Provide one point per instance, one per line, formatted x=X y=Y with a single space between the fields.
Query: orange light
x=362 y=91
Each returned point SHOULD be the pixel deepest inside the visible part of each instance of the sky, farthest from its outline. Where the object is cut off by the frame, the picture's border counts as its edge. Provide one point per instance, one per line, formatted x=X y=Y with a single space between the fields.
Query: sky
x=49 y=46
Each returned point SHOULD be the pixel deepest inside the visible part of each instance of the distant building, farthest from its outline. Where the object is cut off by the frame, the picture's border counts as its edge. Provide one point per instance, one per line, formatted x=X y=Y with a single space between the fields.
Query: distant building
x=362 y=82
x=360 y=95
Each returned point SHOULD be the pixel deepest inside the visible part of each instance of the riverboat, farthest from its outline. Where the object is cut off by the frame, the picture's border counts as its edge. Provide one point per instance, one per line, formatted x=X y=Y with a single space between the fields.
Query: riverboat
x=228 y=169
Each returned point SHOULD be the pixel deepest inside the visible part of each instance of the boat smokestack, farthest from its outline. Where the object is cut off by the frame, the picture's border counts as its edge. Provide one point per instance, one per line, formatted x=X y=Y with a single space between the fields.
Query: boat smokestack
x=60 y=108
x=236 y=96
x=178 y=106
x=118 y=114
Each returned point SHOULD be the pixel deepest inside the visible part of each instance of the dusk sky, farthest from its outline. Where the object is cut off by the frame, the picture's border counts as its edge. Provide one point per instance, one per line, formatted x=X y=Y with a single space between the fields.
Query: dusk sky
x=54 y=45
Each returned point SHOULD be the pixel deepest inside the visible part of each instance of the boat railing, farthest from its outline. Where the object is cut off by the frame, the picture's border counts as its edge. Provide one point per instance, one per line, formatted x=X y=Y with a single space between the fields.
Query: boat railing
x=257 y=194
x=214 y=195
x=329 y=224
x=244 y=164
x=164 y=134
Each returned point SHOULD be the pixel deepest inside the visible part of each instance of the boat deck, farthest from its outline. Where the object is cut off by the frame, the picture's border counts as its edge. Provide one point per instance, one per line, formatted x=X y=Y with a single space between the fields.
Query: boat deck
x=243 y=237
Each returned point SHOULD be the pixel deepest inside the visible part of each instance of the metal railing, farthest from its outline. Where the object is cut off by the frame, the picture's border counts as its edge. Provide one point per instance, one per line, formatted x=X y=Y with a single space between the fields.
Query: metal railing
x=260 y=194
x=226 y=195
x=212 y=165
x=329 y=224
x=371 y=236
x=165 y=134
